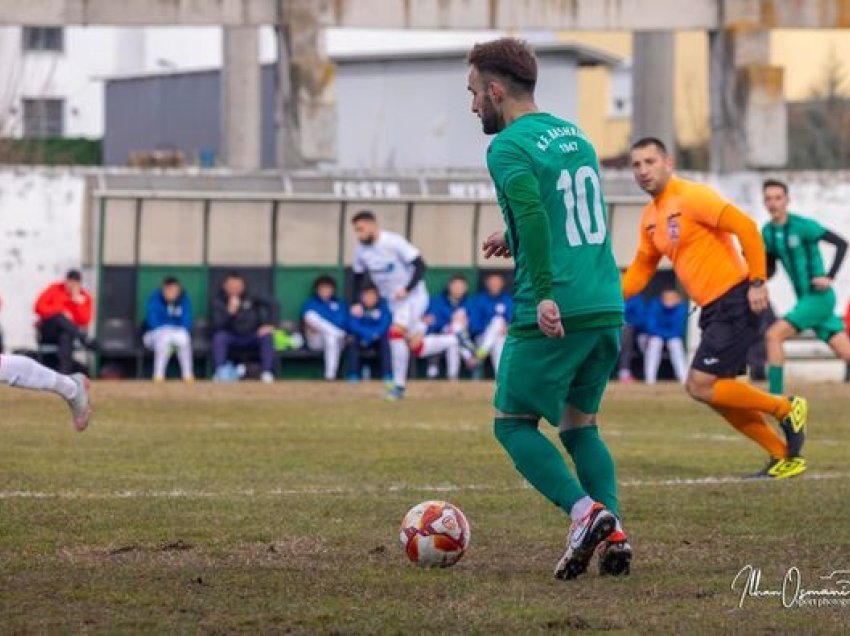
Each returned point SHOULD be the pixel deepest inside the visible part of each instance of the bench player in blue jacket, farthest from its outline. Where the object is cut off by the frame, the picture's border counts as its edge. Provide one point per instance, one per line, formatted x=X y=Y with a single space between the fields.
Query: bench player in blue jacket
x=491 y=312
x=666 y=317
x=325 y=319
x=448 y=313
x=368 y=329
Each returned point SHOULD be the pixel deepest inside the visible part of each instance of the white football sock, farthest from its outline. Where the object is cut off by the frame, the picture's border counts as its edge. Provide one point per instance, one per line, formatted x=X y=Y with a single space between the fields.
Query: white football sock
x=652 y=359
x=437 y=343
x=492 y=334
x=677 y=359
x=333 y=353
x=26 y=373
x=496 y=353
x=332 y=339
x=453 y=361
x=581 y=508
x=400 y=359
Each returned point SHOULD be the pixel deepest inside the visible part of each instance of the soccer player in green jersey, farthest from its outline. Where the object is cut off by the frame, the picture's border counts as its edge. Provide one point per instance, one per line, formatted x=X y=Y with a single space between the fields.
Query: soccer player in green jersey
x=794 y=241
x=563 y=341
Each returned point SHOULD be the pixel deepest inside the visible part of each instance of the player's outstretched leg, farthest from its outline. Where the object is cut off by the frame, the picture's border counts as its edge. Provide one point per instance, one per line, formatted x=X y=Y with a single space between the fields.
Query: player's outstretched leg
x=595 y=469
x=26 y=373
x=537 y=459
x=399 y=361
x=775 y=338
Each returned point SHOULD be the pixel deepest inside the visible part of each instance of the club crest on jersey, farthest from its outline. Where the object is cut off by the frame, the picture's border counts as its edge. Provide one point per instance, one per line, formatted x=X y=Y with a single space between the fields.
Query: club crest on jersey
x=674 y=229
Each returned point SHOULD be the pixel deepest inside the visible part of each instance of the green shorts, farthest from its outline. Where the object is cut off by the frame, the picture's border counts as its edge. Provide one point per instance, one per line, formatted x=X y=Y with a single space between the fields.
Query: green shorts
x=541 y=376
x=815 y=312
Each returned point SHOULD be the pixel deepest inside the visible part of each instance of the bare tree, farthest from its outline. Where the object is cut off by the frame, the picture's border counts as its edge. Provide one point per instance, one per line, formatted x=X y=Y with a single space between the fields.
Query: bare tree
x=819 y=128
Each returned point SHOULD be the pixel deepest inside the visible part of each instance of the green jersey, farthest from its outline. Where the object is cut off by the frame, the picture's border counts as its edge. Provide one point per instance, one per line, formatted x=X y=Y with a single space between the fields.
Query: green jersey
x=795 y=245
x=585 y=280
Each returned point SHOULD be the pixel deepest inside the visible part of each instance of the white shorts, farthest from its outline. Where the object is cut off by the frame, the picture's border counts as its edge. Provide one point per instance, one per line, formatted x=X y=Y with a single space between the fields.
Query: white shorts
x=408 y=313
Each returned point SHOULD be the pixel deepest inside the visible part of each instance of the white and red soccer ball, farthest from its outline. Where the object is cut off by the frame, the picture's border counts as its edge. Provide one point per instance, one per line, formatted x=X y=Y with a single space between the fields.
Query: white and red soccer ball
x=434 y=534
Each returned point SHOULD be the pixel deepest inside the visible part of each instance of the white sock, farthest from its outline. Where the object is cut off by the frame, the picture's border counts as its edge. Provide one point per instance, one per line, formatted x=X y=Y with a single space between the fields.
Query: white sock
x=161 y=354
x=492 y=334
x=26 y=373
x=400 y=358
x=333 y=352
x=652 y=359
x=581 y=508
x=496 y=353
x=677 y=358
x=437 y=343
x=453 y=361
x=184 y=355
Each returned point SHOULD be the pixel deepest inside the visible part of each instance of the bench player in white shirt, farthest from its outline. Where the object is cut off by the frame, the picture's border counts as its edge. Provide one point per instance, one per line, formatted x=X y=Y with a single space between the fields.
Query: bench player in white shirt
x=396 y=268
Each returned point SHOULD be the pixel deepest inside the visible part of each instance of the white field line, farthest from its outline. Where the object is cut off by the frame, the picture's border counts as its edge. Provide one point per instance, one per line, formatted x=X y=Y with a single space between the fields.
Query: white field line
x=180 y=493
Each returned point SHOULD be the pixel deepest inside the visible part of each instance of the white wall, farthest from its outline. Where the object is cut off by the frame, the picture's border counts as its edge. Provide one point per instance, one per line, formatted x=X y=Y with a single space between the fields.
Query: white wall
x=416 y=114
x=823 y=196
x=90 y=54
x=40 y=239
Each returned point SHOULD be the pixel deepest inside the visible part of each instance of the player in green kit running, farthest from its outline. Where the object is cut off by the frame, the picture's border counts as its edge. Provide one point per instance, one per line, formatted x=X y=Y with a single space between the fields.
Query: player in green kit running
x=563 y=342
x=794 y=241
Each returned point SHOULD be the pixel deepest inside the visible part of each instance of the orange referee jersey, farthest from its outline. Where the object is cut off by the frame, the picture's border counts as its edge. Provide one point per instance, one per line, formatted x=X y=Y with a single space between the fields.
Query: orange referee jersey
x=692 y=225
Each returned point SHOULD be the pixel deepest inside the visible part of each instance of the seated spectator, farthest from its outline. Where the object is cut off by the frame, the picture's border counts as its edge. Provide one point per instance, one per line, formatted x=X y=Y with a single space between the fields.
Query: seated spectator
x=666 y=318
x=64 y=312
x=490 y=316
x=449 y=313
x=243 y=321
x=368 y=328
x=633 y=334
x=325 y=318
x=168 y=325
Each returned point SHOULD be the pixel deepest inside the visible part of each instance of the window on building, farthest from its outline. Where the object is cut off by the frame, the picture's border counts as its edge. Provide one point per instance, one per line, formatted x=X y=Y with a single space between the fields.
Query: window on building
x=620 y=105
x=43 y=39
x=44 y=118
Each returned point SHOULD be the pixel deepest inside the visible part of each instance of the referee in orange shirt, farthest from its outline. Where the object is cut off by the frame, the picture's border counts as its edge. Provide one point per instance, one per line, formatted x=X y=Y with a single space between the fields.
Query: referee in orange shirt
x=693 y=226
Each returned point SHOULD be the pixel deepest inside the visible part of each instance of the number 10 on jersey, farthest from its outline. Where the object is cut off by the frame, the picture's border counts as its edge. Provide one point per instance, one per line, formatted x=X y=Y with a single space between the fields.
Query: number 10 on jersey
x=577 y=203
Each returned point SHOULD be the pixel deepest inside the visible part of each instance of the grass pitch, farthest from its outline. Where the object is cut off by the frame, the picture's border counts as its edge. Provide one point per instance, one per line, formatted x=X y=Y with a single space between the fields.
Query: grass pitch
x=256 y=509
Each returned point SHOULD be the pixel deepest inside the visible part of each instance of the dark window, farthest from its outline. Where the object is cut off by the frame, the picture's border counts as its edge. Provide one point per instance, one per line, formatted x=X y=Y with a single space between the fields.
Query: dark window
x=43 y=39
x=44 y=117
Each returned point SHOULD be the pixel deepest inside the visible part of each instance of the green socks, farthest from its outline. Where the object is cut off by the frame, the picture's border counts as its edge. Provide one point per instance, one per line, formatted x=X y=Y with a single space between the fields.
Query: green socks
x=537 y=459
x=594 y=464
x=776 y=380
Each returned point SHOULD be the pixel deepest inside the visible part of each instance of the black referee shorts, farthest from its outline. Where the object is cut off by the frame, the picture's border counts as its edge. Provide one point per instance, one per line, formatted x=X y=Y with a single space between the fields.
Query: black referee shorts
x=729 y=328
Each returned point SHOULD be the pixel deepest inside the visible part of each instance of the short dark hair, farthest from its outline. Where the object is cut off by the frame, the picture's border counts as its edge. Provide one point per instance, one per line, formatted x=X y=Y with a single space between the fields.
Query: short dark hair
x=774 y=183
x=363 y=215
x=170 y=280
x=508 y=59
x=370 y=287
x=74 y=274
x=458 y=276
x=645 y=142
x=233 y=274
x=324 y=279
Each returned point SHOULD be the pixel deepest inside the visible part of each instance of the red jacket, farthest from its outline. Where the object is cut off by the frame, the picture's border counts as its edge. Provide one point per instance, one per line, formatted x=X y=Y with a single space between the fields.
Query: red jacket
x=56 y=300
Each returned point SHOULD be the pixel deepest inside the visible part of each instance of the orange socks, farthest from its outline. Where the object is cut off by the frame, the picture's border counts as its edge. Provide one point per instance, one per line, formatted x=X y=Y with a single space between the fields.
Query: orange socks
x=731 y=394
x=750 y=422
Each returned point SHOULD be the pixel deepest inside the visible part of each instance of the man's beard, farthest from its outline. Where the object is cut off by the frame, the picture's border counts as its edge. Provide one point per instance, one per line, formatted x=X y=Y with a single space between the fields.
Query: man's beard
x=367 y=240
x=491 y=121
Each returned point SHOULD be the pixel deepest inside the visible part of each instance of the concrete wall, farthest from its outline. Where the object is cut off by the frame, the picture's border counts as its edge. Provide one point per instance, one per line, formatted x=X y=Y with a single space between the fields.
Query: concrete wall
x=41 y=238
x=41 y=234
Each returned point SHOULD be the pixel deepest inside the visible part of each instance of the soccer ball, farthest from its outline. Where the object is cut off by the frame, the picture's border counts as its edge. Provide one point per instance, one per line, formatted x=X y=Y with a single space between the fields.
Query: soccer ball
x=434 y=534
